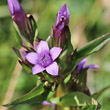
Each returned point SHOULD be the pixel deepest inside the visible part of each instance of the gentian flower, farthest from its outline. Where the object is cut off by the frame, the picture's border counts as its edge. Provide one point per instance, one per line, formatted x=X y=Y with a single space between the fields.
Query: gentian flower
x=81 y=67
x=44 y=59
x=61 y=25
x=17 y=13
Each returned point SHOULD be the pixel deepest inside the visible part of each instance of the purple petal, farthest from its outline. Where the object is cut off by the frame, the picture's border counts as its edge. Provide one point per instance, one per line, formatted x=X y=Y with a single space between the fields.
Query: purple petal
x=14 y=6
x=91 y=67
x=46 y=103
x=23 y=54
x=32 y=57
x=37 y=69
x=55 y=52
x=52 y=69
x=81 y=64
x=42 y=46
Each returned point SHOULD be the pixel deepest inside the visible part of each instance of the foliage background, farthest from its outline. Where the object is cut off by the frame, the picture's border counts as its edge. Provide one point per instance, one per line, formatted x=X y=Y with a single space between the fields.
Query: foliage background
x=89 y=19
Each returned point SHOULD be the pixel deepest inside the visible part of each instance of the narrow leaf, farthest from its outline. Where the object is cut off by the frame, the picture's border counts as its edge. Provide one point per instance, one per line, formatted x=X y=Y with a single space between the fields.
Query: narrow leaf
x=93 y=46
x=34 y=96
x=26 y=67
x=98 y=94
x=17 y=52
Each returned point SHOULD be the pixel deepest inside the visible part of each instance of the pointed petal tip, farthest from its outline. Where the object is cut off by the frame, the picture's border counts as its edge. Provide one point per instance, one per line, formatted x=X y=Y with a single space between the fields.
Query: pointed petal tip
x=91 y=67
x=55 y=52
x=37 y=69
x=42 y=46
x=53 y=69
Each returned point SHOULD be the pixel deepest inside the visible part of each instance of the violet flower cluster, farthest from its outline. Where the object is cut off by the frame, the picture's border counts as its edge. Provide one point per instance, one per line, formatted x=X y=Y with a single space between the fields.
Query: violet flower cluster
x=54 y=61
x=43 y=58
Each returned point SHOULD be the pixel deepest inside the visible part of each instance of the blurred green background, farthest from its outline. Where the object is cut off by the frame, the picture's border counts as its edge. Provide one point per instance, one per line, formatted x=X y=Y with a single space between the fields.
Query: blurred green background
x=89 y=19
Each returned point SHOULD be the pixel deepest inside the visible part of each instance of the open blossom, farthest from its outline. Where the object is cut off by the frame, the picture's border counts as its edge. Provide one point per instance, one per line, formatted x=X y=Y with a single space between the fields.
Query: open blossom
x=44 y=59
x=17 y=13
x=81 y=67
x=61 y=25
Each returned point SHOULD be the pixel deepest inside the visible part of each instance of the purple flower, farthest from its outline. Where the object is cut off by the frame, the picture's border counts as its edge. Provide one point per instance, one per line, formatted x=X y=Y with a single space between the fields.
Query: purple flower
x=61 y=25
x=44 y=59
x=63 y=16
x=81 y=67
x=47 y=103
x=18 y=15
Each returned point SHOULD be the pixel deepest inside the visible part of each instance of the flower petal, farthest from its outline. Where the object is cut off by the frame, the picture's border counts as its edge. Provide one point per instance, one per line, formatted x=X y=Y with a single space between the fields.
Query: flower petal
x=32 y=57
x=52 y=69
x=81 y=64
x=42 y=46
x=37 y=69
x=91 y=67
x=55 y=52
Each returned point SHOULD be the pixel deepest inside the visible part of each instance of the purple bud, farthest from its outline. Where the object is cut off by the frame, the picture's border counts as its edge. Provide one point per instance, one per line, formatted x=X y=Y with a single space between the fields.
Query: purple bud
x=63 y=16
x=61 y=26
x=81 y=67
x=17 y=13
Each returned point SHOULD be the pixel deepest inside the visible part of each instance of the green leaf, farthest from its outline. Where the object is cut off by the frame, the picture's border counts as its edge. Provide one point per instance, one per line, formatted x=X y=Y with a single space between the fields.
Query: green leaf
x=17 y=52
x=33 y=26
x=93 y=46
x=68 y=41
x=87 y=50
x=36 y=95
x=26 y=67
x=77 y=99
x=89 y=107
x=98 y=94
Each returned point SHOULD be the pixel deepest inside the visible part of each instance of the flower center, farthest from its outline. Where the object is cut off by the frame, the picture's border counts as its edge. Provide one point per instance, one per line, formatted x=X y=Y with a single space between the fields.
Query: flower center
x=45 y=59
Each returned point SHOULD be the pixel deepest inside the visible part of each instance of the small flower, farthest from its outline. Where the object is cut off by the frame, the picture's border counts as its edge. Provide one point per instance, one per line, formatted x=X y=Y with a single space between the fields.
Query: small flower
x=44 y=59
x=18 y=15
x=61 y=25
x=47 y=103
x=81 y=67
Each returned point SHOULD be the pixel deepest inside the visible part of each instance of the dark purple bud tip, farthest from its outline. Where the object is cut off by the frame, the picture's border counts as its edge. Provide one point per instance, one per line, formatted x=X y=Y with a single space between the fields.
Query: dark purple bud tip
x=17 y=13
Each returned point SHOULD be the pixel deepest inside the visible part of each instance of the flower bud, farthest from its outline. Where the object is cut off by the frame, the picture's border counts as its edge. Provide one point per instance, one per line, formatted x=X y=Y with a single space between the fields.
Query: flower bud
x=81 y=66
x=24 y=24
x=17 y=13
x=61 y=26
